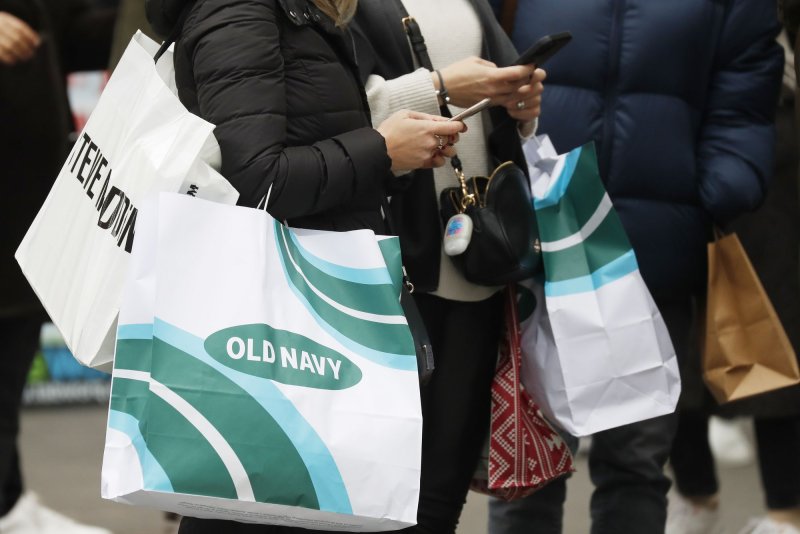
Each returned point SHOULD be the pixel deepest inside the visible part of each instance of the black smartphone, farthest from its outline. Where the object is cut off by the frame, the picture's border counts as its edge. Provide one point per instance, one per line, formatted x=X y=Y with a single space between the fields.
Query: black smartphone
x=544 y=49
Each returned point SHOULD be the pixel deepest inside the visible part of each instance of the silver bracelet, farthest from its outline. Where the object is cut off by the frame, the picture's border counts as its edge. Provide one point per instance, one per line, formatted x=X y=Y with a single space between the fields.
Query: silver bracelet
x=442 y=91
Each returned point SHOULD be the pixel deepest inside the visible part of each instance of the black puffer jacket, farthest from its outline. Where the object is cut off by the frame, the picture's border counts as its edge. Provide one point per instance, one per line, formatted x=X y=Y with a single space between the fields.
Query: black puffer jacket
x=281 y=83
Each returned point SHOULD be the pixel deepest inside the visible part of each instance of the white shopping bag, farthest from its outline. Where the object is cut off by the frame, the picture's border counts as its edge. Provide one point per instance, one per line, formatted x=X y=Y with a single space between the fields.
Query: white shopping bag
x=139 y=140
x=597 y=353
x=263 y=374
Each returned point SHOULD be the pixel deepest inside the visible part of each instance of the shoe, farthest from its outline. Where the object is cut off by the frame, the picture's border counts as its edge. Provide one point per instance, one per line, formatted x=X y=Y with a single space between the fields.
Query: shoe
x=683 y=517
x=765 y=525
x=29 y=516
x=729 y=442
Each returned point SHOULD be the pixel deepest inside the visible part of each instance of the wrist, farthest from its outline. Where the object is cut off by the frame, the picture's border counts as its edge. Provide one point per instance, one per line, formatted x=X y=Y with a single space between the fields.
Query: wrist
x=441 y=90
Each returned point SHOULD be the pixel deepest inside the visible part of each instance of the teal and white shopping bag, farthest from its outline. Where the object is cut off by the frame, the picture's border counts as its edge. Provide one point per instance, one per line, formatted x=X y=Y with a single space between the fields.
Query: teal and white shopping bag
x=597 y=353
x=263 y=374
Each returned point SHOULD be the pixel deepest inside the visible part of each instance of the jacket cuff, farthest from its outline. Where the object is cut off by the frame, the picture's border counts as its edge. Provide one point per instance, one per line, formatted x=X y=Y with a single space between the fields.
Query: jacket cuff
x=366 y=149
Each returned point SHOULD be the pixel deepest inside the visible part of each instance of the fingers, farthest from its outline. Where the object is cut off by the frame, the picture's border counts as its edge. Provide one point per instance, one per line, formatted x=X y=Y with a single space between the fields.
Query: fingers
x=439 y=156
x=29 y=38
x=6 y=58
x=529 y=112
x=418 y=115
x=526 y=92
x=18 y=42
x=526 y=101
x=448 y=151
x=505 y=86
x=437 y=160
x=515 y=73
x=483 y=62
x=446 y=140
x=529 y=106
x=445 y=128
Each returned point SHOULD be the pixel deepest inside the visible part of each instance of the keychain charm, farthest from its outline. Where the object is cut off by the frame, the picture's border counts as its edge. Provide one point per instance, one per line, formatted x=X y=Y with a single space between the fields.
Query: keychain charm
x=457 y=234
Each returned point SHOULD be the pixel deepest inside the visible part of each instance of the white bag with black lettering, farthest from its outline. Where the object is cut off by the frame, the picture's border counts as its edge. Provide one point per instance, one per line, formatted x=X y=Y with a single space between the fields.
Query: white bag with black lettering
x=263 y=374
x=139 y=140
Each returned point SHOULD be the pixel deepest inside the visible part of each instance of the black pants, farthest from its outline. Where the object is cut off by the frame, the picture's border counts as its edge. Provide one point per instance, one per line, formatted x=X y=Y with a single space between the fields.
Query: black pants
x=455 y=411
x=778 y=442
x=626 y=465
x=20 y=338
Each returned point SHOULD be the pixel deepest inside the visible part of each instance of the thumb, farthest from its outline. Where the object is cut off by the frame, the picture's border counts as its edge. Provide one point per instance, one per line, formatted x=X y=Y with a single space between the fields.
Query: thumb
x=418 y=115
x=514 y=73
x=446 y=127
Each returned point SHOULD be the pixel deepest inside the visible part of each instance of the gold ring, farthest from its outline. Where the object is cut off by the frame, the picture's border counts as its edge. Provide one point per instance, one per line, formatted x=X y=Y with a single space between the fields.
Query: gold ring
x=521 y=104
x=440 y=140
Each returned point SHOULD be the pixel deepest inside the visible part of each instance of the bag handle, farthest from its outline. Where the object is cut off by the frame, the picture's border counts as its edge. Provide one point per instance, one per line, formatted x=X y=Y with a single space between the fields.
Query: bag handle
x=262 y=204
x=175 y=33
x=392 y=230
x=419 y=332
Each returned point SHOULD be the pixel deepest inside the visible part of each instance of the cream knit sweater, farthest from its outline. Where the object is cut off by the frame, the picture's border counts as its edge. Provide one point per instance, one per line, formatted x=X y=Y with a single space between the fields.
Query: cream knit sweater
x=452 y=32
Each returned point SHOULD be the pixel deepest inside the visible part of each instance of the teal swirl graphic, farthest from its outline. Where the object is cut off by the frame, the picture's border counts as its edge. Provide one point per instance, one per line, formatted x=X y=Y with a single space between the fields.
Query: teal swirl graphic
x=250 y=440
x=364 y=316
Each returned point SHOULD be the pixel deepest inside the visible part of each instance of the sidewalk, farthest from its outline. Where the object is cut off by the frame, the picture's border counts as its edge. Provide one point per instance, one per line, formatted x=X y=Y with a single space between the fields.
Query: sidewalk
x=62 y=452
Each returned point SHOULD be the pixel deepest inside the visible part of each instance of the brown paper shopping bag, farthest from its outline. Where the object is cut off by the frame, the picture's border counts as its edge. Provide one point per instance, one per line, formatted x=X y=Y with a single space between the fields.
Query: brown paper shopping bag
x=746 y=350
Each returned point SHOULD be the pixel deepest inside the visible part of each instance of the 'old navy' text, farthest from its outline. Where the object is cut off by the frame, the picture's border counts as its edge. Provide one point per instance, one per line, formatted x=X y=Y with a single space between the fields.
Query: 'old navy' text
x=238 y=348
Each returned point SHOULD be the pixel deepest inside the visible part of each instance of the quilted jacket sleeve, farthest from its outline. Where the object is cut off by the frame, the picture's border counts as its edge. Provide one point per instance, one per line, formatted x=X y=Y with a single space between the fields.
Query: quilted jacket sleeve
x=238 y=72
x=736 y=145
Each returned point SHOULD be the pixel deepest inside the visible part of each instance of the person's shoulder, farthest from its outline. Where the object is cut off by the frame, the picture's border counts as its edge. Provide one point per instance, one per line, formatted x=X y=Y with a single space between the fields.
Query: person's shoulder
x=164 y=14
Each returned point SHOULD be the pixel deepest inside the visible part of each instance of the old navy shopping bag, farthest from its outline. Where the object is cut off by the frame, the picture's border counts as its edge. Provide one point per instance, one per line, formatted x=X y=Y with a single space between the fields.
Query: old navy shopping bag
x=597 y=351
x=263 y=374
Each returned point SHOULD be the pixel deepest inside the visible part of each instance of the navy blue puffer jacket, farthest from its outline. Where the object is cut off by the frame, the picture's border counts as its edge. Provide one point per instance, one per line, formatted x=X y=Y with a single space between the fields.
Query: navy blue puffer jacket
x=679 y=97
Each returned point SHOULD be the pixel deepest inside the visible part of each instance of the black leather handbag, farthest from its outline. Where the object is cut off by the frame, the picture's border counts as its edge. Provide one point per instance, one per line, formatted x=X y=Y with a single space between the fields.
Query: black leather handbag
x=504 y=247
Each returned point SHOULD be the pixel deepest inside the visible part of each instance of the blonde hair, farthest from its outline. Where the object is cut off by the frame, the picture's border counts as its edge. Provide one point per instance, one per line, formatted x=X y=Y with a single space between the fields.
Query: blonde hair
x=341 y=11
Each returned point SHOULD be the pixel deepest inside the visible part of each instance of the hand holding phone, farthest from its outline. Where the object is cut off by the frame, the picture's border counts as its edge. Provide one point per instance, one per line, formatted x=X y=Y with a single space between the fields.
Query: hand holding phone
x=536 y=55
x=544 y=49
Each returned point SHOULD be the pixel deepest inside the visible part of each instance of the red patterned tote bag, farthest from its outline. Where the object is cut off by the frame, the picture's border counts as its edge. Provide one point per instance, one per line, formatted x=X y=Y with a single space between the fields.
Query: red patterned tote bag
x=524 y=452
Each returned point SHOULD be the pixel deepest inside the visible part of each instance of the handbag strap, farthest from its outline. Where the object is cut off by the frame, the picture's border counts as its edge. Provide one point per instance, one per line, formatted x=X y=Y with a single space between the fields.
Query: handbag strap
x=418 y=46
x=420 y=49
